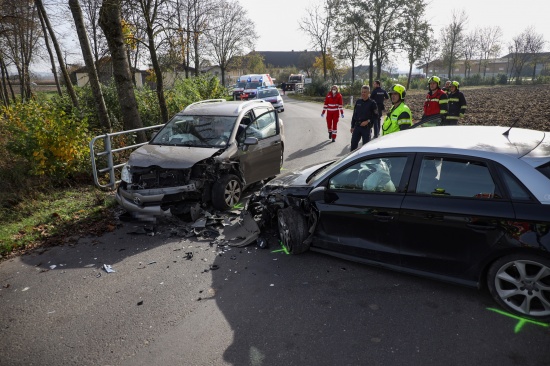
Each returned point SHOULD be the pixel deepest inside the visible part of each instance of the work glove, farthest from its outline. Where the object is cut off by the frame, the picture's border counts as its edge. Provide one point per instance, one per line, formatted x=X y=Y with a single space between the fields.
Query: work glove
x=322 y=114
x=342 y=115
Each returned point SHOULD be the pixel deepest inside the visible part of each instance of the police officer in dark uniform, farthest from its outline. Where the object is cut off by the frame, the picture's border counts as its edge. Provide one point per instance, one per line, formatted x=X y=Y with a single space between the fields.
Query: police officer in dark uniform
x=365 y=115
x=379 y=95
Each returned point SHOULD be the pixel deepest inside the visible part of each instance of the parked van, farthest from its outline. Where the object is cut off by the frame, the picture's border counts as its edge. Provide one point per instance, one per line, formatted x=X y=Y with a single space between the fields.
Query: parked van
x=253 y=82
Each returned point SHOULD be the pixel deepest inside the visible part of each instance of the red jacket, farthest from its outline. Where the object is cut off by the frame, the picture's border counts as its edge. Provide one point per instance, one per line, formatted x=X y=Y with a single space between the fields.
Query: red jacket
x=436 y=103
x=333 y=103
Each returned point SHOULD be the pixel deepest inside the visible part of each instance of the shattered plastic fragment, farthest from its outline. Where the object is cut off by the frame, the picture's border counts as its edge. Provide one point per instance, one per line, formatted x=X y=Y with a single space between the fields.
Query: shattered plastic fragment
x=53 y=266
x=108 y=268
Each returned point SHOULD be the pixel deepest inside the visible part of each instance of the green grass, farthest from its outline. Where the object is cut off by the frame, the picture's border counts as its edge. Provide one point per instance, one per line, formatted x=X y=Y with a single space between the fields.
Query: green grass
x=50 y=217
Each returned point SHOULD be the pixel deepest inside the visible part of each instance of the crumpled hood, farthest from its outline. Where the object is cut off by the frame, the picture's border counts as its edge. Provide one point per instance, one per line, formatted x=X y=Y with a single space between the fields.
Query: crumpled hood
x=169 y=157
x=295 y=178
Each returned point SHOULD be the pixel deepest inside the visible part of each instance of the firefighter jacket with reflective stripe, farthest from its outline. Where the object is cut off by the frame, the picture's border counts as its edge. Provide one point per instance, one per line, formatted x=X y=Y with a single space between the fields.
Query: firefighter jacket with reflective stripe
x=398 y=118
x=456 y=105
x=333 y=103
x=364 y=110
x=436 y=103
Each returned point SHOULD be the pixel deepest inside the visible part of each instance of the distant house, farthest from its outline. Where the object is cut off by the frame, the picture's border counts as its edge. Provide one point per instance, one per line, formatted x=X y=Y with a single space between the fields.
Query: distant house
x=286 y=59
x=104 y=68
x=276 y=62
x=494 y=67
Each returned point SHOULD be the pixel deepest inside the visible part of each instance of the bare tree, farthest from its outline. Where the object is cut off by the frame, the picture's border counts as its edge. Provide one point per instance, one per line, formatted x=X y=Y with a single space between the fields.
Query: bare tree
x=348 y=45
x=90 y=11
x=471 y=48
x=151 y=11
x=57 y=48
x=20 y=31
x=535 y=44
x=318 y=25
x=103 y=115
x=376 y=24
x=50 y=54
x=525 y=47
x=111 y=23
x=226 y=36
x=489 y=45
x=429 y=55
x=453 y=41
x=416 y=36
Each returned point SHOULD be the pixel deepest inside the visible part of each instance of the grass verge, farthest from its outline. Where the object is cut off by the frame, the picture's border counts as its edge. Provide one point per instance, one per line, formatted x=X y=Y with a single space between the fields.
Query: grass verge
x=53 y=217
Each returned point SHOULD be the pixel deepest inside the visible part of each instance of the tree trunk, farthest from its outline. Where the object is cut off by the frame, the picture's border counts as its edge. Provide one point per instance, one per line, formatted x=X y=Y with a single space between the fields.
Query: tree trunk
x=102 y=113
x=158 y=73
x=50 y=53
x=68 y=83
x=110 y=22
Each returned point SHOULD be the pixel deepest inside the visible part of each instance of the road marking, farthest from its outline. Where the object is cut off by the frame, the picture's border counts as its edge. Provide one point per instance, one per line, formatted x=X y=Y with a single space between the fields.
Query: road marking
x=522 y=321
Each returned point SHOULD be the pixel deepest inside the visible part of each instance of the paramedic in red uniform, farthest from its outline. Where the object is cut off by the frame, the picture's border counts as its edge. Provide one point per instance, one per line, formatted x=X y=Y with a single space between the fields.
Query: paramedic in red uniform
x=333 y=107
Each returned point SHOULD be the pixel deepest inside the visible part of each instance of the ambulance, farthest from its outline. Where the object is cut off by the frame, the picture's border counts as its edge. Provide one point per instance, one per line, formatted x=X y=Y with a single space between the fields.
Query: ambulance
x=253 y=82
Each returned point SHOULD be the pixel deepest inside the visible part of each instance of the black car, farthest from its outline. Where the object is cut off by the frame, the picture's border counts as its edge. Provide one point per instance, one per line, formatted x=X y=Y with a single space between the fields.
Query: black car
x=464 y=204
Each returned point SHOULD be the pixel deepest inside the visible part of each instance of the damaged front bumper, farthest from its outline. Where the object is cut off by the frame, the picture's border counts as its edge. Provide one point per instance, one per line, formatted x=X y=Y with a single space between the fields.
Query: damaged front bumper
x=150 y=201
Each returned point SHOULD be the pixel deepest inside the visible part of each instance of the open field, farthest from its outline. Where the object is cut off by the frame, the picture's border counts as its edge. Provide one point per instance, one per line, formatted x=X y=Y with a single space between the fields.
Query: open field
x=499 y=105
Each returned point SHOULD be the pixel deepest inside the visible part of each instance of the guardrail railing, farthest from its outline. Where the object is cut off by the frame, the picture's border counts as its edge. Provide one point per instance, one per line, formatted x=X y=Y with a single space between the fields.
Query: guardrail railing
x=103 y=162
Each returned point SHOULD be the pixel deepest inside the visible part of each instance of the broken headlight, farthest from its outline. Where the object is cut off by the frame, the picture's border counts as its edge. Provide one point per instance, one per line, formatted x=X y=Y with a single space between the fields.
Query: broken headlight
x=125 y=174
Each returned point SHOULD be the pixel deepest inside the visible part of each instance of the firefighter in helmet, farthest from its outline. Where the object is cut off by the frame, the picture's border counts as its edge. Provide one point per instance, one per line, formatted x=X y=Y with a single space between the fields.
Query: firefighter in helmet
x=456 y=105
x=399 y=117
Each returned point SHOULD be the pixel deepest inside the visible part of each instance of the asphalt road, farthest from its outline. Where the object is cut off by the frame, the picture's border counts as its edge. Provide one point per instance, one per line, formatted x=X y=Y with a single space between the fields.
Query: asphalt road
x=260 y=307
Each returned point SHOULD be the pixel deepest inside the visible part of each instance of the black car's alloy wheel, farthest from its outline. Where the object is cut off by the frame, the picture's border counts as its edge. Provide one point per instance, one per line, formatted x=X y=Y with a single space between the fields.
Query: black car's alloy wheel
x=293 y=230
x=227 y=192
x=521 y=283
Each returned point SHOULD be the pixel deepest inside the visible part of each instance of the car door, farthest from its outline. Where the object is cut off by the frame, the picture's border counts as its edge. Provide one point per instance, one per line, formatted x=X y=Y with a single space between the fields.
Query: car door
x=450 y=219
x=360 y=213
x=262 y=160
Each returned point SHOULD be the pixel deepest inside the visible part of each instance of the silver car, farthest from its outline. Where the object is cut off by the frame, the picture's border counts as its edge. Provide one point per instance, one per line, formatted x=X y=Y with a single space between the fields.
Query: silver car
x=207 y=153
x=272 y=96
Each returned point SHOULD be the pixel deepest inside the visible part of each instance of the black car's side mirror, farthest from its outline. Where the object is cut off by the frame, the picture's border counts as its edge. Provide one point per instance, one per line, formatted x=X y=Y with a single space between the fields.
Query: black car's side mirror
x=317 y=194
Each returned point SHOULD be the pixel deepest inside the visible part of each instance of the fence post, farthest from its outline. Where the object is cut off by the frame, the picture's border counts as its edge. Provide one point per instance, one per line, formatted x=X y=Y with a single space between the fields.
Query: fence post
x=110 y=162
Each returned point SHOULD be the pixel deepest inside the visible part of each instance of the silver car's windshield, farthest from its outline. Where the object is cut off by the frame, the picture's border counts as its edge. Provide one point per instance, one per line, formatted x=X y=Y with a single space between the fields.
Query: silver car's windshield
x=268 y=93
x=196 y=131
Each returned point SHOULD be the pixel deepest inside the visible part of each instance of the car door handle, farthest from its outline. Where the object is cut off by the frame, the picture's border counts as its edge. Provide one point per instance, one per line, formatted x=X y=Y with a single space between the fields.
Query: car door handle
x=433 y=217
x=482 y=226
x=383 y=217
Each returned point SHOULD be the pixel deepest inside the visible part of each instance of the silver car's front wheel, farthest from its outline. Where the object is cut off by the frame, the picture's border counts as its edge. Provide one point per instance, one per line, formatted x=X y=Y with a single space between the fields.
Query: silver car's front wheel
x=227 y=192
x=521 y=283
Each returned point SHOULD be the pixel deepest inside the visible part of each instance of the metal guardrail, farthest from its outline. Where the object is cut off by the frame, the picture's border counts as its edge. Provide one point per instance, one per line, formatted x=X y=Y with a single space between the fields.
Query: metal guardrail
x=109 y=167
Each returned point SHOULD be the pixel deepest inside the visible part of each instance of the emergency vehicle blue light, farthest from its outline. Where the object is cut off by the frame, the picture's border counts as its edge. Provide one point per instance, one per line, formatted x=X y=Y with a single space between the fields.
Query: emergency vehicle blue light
x=249 y=79
x=261 y=80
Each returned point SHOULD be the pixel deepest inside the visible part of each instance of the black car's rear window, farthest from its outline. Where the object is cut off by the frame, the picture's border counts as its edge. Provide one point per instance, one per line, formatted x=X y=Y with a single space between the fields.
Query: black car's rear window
x=545 y=169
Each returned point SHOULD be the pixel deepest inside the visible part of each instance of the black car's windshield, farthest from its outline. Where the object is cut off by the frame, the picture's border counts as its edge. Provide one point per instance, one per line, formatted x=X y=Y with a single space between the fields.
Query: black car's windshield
x=318 y=174
x=197 y=131
x=268 y=93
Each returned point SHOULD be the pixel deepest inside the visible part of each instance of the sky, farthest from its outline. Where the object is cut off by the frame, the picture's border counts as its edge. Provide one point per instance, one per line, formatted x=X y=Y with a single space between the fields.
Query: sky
x=277 y=22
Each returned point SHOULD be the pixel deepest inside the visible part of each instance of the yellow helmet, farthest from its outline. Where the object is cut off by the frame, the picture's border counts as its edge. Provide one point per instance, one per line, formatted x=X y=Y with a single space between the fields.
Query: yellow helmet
x=398 y=89
x=455 y=83
x=435 y=79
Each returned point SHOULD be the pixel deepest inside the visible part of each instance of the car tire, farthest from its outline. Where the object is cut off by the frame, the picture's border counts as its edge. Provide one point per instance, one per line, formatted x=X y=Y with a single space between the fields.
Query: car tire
x=520 y=283
x=226 y=192
x=293 y=230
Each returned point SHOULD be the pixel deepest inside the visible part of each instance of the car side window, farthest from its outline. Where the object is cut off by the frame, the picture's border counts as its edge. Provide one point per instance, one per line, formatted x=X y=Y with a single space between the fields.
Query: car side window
x=264 y=125
x=373 y=175
x=516 y=190
x=455 y=177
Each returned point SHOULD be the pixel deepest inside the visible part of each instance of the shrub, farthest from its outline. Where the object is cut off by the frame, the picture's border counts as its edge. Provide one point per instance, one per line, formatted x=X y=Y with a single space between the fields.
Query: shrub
x=52 y=141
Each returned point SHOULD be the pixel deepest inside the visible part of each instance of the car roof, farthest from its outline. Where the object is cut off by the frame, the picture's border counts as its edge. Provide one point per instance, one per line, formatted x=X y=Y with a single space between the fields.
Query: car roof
x=519 y=143
x=219 y=107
